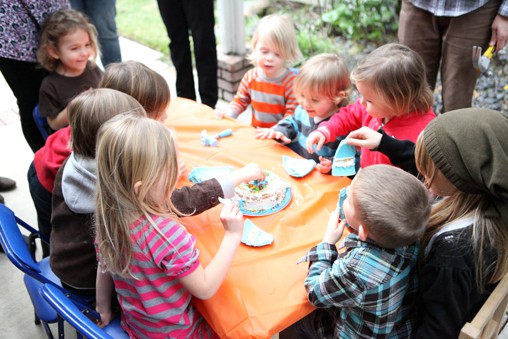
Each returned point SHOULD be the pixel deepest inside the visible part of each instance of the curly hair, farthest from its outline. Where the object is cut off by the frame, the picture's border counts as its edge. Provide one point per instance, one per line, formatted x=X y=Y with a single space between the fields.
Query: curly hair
x=59 y=24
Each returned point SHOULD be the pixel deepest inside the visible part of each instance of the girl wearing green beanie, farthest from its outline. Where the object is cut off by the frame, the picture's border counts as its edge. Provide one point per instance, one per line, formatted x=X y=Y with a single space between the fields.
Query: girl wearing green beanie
x=463 y=157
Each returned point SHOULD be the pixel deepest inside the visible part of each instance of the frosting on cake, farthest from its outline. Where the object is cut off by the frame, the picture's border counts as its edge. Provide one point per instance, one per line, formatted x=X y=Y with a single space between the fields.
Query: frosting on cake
x=258 y=196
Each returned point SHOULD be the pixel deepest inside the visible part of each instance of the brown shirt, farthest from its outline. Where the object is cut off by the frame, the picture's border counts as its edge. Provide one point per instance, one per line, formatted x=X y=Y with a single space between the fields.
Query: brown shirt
x=57 y=90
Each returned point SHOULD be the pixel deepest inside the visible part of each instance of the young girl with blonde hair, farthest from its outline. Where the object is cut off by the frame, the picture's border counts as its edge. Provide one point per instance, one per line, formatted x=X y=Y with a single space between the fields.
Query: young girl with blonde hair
x=268 y=87
x=463 y=156
x=142 y=247
x=395 y=101
x=322 y=86
x=68 y=48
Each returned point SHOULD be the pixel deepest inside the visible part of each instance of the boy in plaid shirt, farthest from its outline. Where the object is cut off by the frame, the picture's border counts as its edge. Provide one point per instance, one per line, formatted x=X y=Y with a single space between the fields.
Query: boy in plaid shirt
x=369 y=288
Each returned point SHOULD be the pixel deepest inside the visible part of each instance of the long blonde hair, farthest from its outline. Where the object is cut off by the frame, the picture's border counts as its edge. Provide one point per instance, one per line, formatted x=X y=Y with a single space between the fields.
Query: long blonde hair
x=280 y=31
x=325 y=74
x=131 y=149
x=397 y=73
x=487 y=233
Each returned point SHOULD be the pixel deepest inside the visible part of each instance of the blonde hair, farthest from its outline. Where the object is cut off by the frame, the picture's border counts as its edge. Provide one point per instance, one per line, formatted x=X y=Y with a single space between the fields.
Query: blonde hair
x=325 y=74
x=90 y=109
x=141 y=82
x=397 y=73
x=278 y=30
x=131 y=149
x=58 y=24
x=487 y=233
x=394 y=205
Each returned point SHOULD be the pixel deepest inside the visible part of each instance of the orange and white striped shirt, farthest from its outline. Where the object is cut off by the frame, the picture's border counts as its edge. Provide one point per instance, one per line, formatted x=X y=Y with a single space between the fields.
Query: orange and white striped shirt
x=271 y=99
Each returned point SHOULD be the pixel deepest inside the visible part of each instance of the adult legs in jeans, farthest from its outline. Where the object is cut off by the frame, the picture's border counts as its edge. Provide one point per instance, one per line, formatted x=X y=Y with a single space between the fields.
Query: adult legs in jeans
x=447 y=42
x=196 y=16
x=102 y=14
x=24 y=79
x=42 y=201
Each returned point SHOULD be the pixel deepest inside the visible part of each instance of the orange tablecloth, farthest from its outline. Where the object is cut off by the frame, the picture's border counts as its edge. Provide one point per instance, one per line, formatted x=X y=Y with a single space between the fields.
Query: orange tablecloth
x=263 y=292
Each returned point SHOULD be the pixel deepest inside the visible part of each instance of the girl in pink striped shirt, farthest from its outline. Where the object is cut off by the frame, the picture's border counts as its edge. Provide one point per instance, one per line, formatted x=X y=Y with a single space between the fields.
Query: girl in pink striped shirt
x=144 y=252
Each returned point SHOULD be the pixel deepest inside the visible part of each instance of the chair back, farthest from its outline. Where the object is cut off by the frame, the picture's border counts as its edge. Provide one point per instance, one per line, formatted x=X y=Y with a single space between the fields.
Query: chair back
x=41 y=122
x=487 y=322
x=78 y=318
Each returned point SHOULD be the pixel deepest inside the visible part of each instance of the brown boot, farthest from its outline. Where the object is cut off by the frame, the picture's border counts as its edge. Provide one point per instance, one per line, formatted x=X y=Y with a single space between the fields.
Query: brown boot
x=2 y=200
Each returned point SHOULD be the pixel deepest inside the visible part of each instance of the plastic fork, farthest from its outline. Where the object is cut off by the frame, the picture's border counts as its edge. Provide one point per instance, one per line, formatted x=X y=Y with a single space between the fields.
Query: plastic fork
x=481 y=62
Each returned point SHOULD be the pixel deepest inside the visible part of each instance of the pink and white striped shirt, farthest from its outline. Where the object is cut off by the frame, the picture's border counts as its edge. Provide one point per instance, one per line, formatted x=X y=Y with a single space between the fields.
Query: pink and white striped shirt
x=154 y=303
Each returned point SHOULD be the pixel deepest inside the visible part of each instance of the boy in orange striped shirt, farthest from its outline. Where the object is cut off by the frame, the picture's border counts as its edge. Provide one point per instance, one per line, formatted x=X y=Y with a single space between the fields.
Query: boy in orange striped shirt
x=268 y=87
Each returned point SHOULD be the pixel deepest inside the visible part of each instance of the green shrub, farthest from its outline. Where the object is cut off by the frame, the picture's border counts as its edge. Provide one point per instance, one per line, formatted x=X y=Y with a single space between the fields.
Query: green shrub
x=371 y=20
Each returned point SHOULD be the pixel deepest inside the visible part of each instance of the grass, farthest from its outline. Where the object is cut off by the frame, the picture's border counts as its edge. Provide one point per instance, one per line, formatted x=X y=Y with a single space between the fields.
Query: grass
x=140 y=20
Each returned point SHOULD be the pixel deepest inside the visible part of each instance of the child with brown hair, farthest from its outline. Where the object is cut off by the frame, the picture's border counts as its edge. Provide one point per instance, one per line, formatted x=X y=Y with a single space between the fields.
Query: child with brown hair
x=68 y=48
x=72 y=256
x=369 y=288
x=268 y=87
x=322 y=86
x=147 y=86
x=396 y=101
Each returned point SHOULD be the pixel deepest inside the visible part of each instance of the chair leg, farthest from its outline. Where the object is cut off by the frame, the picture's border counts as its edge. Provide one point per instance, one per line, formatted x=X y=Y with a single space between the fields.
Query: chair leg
x=61 y=333
x=48 y=330
x=37 y=321
x=32 y=246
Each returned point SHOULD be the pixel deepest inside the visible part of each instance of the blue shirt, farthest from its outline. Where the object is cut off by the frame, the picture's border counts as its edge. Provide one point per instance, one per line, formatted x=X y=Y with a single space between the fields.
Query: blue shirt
x=297 y=127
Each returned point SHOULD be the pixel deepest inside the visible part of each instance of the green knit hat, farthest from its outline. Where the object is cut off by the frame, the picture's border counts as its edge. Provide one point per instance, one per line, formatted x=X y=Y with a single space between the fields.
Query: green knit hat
x=470 y=147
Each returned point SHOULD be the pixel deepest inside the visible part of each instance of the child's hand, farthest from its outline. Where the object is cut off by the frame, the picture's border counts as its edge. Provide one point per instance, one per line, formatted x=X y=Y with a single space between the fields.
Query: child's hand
x=219 y=113
x=268 y=133
x=105 y=317
x=232 y=219
x=364 y=137
x=324 y=166
x=315 y=138
x=334 y=229
x=248 y=173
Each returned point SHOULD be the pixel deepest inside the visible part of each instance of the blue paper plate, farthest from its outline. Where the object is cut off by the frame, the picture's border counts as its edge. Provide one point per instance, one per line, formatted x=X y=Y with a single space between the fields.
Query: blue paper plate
x=255 y=236
x=344 y=160
x=200 y=174
x=297 y=167
x=275 y=209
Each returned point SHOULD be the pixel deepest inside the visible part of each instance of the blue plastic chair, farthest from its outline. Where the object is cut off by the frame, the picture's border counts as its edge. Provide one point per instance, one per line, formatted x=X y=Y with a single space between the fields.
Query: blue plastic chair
x=80 y=318
x=37 y=273
x=41 y=122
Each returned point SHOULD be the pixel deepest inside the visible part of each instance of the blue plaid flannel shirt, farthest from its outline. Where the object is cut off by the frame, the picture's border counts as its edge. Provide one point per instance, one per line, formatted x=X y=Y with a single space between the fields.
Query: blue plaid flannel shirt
x=455 y=8
x=373 y=289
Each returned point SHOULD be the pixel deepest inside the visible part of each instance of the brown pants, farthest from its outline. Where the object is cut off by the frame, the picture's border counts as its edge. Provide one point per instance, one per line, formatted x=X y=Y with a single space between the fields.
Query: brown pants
x=447 y=42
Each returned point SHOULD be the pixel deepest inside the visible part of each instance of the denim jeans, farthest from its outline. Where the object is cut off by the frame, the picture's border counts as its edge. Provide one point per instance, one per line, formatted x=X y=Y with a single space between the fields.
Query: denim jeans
x=102 y=14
